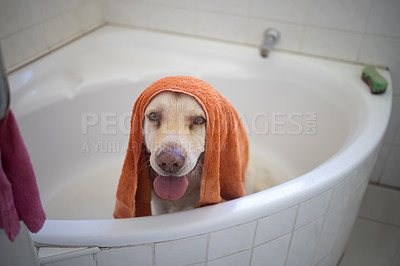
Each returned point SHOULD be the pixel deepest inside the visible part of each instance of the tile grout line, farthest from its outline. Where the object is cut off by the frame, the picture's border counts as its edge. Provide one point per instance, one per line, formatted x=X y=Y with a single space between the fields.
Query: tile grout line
x=292 y=234
x=207 y=247
x=325 y=216
x=254 y=241
x=378 y=222
x=153 y=254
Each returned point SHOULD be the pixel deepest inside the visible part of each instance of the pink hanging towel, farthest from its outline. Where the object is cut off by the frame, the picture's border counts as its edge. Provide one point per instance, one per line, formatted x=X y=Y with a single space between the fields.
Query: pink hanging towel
x=19 y=194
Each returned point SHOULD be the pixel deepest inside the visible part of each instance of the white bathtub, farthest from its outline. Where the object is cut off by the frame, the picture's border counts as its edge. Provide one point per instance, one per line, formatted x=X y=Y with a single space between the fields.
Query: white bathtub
x=312 y=123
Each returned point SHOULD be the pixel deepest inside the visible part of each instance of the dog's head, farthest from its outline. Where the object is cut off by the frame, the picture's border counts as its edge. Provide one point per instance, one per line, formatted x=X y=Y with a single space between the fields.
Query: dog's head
x=174 y=132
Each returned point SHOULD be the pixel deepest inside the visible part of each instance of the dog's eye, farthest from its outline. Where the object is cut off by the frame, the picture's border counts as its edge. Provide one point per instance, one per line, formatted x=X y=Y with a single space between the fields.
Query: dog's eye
x=199 y=120
x=153 y=117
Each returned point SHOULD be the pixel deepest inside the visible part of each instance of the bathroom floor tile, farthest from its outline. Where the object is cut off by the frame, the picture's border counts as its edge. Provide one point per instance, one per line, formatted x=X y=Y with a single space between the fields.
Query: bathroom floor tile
x=396 y=260
x=381 y=204
x=372 y=243
x=390 y=175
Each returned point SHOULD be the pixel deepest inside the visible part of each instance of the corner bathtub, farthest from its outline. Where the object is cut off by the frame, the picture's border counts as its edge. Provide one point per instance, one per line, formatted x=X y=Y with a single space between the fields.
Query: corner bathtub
x=314 y=127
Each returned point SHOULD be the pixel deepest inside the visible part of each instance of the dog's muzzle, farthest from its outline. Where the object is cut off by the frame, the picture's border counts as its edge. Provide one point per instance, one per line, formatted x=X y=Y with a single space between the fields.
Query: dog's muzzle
x=170 y=186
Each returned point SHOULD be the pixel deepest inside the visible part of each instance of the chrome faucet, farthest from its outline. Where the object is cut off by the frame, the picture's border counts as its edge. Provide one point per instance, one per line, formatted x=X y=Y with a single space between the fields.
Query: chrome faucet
x=4 y=90
x=271 y=38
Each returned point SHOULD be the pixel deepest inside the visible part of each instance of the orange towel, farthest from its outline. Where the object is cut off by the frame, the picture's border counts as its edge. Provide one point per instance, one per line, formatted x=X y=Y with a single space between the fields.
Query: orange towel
x=225 y=158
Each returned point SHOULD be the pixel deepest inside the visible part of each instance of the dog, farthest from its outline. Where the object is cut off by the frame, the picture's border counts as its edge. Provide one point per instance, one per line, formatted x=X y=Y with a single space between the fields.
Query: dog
x=174 y=132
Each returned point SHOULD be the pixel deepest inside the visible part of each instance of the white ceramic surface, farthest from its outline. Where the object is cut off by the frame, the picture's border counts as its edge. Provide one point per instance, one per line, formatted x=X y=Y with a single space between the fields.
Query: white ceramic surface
x=313 y=120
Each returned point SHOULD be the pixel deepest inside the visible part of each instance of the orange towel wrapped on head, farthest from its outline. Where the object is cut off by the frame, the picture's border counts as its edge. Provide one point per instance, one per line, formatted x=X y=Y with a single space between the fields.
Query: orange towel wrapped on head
x=225 y=158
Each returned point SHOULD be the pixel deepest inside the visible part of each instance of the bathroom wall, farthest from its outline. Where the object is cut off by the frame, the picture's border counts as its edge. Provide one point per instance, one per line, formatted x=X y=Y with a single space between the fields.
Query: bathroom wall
x=30 y=29
x=362 y=31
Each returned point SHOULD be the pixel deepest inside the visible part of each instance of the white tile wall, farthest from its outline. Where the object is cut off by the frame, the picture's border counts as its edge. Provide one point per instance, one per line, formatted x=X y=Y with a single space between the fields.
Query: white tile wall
x=383 y=18
x=230 y=27
x=30 y=29
x=303 y=244
x=166 y=18
x=275 y=225
x=236 y=7
x=49 y=255
x=331 y=228
x=341 y=15
x=176 y=3
x=231 y=240
x=126 y=13
x=343 y=190
x=331 y=43
x=241 y=258
x=289 y=10
x=272 y=253
x=313 y=208
x=87 y=260
x=137 y=255
x=178 y=252
x=338 y=224
x=16 y=15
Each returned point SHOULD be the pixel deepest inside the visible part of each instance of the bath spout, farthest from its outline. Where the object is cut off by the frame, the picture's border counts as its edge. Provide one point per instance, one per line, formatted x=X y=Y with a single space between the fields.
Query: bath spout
x=271 y=38
x=4 y=89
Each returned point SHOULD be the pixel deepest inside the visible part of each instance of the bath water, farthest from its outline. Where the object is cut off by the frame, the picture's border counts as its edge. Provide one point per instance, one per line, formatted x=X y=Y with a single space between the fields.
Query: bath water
x=92 y=195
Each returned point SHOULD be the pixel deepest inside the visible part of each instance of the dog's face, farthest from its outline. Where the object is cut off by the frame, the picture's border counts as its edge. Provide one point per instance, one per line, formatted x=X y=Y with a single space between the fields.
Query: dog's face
x=174 y=133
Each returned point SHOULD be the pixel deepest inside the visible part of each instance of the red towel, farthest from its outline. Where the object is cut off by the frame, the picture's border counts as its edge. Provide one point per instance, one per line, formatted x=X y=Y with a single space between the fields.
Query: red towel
x=19 y=195
x=226 y=151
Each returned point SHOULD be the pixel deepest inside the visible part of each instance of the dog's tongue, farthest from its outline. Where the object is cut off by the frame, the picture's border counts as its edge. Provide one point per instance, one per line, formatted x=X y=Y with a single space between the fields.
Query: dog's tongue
x=170 y=187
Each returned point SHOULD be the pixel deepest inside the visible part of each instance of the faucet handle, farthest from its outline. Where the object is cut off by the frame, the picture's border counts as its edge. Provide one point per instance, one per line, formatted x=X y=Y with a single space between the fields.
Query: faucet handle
x=271 y=36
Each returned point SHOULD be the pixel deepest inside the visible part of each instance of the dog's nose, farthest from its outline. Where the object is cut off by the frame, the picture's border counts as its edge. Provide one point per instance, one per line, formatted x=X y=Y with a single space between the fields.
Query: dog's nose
x=170 y=160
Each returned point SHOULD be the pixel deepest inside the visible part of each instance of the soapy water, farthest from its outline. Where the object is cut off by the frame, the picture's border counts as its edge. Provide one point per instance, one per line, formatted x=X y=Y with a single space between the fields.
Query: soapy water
x=92 y=195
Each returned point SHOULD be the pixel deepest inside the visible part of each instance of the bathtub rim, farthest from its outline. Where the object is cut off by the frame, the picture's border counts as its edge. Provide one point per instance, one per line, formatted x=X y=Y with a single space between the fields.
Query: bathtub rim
x=145 y=230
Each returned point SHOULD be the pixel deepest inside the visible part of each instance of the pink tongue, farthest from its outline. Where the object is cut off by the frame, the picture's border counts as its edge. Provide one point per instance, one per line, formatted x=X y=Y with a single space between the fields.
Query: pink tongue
x=170 y=187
